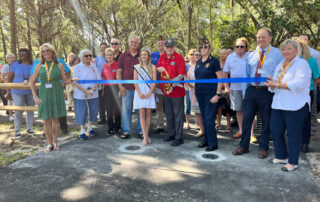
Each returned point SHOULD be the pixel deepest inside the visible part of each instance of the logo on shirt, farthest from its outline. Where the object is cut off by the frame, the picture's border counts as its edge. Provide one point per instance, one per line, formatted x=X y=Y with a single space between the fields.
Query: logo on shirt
x=172 y=63
x=197 y=66
x=207 y=65
x=114 y=70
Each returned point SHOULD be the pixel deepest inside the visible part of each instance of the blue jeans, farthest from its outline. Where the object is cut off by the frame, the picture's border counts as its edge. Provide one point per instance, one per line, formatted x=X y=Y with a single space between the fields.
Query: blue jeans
x=127 y=106
x=292 y=121
x=187 y=103
x=208 y=112
x=256 y=99
x=81 y=110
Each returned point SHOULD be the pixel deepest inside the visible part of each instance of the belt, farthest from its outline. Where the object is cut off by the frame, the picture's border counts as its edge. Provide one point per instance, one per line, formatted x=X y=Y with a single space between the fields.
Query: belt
x=259 y=87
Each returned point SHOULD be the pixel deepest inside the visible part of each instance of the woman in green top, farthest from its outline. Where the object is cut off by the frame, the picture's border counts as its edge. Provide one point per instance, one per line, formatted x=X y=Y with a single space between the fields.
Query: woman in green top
x=51 y=104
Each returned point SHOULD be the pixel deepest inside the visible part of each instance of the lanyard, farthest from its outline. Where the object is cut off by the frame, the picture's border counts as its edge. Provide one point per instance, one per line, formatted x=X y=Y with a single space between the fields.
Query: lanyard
x=264 y=57
x=49 y=71
x=283 y=71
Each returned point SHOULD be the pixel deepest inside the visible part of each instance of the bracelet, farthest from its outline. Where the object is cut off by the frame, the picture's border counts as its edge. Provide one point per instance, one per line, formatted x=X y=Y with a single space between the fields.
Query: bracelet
x=34 y=97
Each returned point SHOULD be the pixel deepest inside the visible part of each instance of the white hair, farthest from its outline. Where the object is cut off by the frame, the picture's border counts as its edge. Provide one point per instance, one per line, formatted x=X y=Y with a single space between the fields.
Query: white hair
x=10 y=55
x=135 y=37
x=82 y=52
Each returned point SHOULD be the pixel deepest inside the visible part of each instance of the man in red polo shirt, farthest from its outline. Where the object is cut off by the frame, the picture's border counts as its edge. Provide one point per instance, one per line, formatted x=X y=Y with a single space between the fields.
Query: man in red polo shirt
x=171 y=65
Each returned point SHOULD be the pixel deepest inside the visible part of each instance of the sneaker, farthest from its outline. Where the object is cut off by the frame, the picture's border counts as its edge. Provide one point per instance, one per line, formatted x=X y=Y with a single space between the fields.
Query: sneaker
x=177 y=143
x=18 y=135
x=83 y=137
x=11 y=118
x=93 y=133
x=30 y=131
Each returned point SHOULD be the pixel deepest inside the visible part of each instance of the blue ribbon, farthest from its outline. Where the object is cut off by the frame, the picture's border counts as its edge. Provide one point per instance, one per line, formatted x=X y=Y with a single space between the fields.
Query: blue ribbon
x=224 y=80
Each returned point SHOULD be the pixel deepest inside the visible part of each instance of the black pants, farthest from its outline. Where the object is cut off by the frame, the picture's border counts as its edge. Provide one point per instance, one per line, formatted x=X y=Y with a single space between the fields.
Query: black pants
x=256 y=99
x=112 y=104
x=102 y=110
x=174 y=111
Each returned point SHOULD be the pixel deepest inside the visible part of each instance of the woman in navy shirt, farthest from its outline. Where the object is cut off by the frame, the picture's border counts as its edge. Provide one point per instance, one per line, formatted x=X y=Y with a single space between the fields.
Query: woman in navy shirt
x=208 y=94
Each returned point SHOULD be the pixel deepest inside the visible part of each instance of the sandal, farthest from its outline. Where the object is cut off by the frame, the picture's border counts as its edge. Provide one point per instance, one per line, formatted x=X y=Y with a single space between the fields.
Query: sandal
x=48 y=149
x=124 y=136
x=55 y=147
x=218 y=127
x=228 y=130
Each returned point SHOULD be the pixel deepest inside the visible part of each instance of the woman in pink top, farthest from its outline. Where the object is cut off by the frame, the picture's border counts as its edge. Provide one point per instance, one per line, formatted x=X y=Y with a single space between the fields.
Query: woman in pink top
x=110 y=92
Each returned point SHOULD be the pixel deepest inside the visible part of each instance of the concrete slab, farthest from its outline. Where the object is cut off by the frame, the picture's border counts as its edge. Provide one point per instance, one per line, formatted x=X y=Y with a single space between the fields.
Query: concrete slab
x=101 y=169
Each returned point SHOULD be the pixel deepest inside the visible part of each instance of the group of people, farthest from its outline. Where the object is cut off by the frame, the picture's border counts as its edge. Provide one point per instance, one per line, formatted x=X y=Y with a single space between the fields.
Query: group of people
x=283 y=101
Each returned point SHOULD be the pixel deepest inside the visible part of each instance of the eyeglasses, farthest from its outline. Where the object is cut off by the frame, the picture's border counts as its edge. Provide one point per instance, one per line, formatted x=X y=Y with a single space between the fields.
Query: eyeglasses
x=195 y=55
x=109 y=54
x=22 y=53
x=46 y=51
x=88 y=56
x=205 y=47
x=114 y=44
x=240 y=46
x=169 y=46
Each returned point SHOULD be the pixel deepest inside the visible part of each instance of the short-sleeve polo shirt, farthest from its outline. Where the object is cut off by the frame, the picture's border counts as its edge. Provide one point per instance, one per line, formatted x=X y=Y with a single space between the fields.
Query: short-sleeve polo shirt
x=175 y=66
x=126 y=63
x=206 y=70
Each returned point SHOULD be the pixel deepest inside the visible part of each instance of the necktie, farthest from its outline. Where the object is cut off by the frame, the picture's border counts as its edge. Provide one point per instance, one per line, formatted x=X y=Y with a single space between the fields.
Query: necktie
x=259 y=66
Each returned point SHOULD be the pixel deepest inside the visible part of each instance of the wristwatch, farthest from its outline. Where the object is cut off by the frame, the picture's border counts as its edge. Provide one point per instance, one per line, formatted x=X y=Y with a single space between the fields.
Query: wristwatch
x=218 y=94
x=277 y=85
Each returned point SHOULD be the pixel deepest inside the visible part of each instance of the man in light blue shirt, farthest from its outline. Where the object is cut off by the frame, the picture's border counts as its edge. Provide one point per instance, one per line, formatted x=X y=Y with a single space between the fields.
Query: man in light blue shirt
x=261 y=63
x=99 y=62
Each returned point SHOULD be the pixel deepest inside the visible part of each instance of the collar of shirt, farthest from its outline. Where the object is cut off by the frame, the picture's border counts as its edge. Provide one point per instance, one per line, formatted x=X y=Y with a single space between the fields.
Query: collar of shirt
x=172 y=56
x=136 y=56
x=265 y=49
x=209 y=58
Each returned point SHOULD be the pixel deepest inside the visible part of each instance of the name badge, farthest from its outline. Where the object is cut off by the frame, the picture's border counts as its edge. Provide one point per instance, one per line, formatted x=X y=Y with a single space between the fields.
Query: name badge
x=261 y=71
x=48 y=85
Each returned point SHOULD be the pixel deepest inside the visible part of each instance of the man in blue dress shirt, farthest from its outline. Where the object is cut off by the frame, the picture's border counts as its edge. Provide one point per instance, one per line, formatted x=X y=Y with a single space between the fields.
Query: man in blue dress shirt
x=99 y=62
x=261 y=63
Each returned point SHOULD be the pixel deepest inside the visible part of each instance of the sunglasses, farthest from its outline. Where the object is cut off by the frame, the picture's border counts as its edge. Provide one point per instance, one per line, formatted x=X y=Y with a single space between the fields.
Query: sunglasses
x=88 y=56
x=169 y=46
x=46 y=51
x=195 y=55
x=114 y=44
x=22 y=53
x=205 y=47
x=240 y=46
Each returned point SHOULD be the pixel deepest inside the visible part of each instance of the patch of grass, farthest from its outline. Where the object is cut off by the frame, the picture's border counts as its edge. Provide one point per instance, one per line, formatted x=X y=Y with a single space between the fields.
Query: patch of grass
x=8 y=159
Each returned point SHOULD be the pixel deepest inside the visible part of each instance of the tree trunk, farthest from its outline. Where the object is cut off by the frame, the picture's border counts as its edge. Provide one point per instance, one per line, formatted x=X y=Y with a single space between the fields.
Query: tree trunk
x=3 y=42
x=28 y=30
x=13 y=26
x=190 y=12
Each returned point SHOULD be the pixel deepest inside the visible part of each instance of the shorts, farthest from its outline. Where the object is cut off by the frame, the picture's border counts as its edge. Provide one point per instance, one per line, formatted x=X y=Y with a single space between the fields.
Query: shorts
x=236 y=100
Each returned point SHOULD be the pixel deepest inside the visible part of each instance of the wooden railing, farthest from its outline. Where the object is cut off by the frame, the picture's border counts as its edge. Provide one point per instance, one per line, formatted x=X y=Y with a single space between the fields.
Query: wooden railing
x=17 y=86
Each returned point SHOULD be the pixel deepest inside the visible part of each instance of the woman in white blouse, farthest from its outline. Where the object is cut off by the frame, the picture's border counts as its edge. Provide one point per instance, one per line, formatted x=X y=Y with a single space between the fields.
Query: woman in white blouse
x=290 y=105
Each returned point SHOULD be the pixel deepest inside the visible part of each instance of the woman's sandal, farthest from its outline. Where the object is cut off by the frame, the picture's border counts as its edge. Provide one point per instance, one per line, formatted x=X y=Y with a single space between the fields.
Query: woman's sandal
x=285 y=169
x=277 y=161
x=228 y=130
x=48 y=149
x=55 y=147
x=124 y=136
x=218 y=127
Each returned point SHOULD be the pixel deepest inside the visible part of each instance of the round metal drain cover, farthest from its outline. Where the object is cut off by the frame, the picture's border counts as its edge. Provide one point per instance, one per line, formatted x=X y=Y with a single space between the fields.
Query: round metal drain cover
x=210 y=156
x=132 y=148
